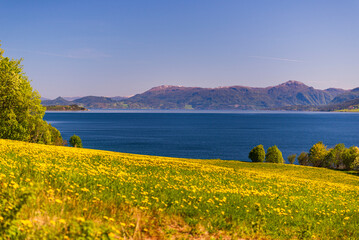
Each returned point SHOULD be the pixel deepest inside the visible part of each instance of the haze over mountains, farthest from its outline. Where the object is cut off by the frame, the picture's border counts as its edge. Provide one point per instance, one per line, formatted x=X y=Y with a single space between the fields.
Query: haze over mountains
x=291 y=93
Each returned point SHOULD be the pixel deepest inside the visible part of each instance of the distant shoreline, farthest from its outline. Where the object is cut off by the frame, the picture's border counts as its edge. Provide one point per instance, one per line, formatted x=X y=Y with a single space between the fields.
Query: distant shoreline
x=65 y=108
x=185 y=111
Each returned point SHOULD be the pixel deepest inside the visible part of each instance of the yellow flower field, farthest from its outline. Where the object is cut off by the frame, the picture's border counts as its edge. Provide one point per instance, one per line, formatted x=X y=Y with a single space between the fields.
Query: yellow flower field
x=69 y=193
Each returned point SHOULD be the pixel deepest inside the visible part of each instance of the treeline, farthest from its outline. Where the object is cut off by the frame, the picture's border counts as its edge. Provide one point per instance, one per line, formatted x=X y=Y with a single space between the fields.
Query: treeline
x=319 y=155
x=73 y=107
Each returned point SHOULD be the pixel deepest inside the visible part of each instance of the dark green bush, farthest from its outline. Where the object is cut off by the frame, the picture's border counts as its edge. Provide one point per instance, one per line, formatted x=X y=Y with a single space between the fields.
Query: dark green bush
x=303 y=159
x=291 y=158
x=274 y=155
x=257 y=154
x=75 y=141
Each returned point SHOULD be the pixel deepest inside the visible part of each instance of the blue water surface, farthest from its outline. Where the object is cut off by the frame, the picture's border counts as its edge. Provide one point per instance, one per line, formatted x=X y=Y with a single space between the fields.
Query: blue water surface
x=205 y=134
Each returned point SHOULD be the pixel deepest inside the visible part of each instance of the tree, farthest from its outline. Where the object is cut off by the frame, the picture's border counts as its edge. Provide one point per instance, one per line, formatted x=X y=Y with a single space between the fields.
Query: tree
x=355 y=164
x=291 y=158
x=75 y=141
x=317 y=154
x=21 y=112
x=257 y=154
x=274 y=155
x=334 y=158
x=351 y=158
x=303 y=159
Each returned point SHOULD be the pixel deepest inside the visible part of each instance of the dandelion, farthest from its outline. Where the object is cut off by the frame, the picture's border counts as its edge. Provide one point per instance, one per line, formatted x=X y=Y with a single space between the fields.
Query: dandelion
x=85 y=189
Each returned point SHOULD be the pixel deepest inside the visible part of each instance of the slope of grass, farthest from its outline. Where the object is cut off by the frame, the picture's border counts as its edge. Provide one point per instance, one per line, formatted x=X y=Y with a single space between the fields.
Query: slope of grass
x=67 y=193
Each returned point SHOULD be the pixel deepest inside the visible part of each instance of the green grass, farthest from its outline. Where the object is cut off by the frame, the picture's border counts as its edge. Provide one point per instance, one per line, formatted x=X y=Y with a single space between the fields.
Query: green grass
x=61 y=192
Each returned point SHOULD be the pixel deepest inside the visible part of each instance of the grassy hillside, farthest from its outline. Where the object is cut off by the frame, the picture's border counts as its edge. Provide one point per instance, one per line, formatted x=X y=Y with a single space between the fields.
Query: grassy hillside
x=61 y=192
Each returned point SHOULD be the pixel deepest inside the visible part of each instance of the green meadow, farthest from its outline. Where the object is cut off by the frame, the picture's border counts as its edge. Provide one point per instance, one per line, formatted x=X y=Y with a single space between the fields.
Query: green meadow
x=51 y=192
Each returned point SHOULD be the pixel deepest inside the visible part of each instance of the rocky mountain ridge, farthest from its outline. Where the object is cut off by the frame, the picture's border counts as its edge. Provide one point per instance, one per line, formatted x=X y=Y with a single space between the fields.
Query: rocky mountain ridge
x=290 y=93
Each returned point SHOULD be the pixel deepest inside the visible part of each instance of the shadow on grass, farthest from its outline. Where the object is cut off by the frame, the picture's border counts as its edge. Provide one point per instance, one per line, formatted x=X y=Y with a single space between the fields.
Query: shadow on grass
x=351 y=172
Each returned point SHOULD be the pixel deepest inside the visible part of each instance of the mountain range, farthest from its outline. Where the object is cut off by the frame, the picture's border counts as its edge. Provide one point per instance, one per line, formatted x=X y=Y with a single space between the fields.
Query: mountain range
x=285 y=95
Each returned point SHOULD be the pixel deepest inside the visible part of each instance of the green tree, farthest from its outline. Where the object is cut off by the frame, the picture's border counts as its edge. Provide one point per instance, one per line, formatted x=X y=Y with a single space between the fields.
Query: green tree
x=351 y=158
x=274 y=155
x=257 y=154
x=334 y=158
x=317 y=155
x=355 y=164
x=75 y=141
x=21 y=112
x=303 y=159
x=291 y=158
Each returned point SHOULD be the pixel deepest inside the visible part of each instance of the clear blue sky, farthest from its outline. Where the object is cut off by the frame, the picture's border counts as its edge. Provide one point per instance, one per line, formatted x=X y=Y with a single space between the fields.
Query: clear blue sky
x=120 y=48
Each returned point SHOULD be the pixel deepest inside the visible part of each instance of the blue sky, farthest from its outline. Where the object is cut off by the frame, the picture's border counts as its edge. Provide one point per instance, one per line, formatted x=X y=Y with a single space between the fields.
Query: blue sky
x=120 y=48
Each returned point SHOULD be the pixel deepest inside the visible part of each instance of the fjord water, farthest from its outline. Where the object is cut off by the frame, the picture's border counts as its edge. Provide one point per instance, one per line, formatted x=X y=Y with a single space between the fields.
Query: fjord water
x=206 y=135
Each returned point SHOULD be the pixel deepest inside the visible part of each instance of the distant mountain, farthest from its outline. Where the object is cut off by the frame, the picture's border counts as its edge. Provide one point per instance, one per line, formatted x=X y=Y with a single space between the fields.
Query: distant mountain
x=94 y=102
x=291 y=95
x=71 y=98
x=234 y=97
x=350 y=104
x=57 y=101
x=336 y=91
x=93 y=99
x=118 y=98
x=331 y=107
x=349 y=95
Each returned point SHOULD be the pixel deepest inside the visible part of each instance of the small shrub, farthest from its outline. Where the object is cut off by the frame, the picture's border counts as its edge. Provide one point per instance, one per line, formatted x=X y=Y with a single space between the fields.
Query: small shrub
x=274 y=155
x=75 y=141
x=291 y=158
x=303 y=159
x=257 y=154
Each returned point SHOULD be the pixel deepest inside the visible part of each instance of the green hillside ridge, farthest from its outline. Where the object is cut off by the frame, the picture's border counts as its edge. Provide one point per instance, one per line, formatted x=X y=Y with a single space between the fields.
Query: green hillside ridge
x=69 y=193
